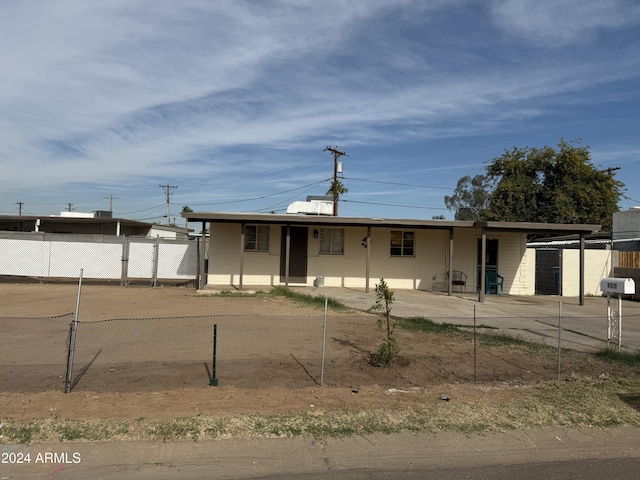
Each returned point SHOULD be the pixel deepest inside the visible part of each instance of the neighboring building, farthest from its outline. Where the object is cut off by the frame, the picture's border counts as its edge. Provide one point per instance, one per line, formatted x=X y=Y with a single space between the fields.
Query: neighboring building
x=99 y=222
x=270 y=249
x=626 y=230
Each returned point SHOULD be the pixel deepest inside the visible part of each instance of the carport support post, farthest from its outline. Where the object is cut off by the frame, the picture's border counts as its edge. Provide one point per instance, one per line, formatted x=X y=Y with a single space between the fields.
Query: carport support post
x=368 y=260
x=243 y=231
x=450 y=282
x=582 y=268
x=483 y=265
x=203 y=244
x=287 y=256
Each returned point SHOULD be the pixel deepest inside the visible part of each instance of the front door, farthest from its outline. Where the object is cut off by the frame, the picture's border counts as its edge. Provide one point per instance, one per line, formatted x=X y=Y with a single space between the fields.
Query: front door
x=297 y=255
x=491 y=261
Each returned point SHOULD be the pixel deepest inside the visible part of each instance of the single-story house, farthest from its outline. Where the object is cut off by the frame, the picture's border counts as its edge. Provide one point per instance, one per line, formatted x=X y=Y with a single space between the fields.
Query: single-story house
x=289 y=249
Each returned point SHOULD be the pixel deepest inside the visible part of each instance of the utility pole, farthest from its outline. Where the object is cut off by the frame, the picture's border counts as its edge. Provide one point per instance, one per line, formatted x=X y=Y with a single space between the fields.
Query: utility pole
x=168 y=194
x=69 y=205
x=336 y=154
x=610 y=170
x=111 y=199
x=19 y=208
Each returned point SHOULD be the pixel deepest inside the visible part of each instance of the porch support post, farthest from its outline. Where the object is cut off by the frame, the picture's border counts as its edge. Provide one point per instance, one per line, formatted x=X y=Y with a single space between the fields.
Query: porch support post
x=483 y=265
x=581 y=268
x=203 y=243
x=450 y=280
x=368 y=255
x=287 y=256
x=243 y=232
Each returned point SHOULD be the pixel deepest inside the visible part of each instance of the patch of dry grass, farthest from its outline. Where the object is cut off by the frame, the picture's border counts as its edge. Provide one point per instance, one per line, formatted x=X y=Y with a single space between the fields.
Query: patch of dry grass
x=578 y=403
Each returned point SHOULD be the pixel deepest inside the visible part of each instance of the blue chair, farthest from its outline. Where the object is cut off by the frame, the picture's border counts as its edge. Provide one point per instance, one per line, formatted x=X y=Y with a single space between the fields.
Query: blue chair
x=493 y=279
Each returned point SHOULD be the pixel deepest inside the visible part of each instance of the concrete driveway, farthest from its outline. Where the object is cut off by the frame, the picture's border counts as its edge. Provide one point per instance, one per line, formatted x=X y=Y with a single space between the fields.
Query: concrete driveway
x=530 y=317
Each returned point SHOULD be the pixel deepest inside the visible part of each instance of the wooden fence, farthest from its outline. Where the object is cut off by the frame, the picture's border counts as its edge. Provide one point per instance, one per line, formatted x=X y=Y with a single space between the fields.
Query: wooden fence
x=629 y=260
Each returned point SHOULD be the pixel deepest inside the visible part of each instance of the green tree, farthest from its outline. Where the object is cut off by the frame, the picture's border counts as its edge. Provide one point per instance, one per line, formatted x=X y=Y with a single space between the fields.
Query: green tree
x=186 y=209
x=551 y=185
x=470 y=198
x=389 y=348
x=337 y=186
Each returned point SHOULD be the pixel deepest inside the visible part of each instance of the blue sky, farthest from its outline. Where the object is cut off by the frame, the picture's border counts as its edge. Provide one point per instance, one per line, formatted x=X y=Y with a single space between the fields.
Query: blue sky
x=234 y=101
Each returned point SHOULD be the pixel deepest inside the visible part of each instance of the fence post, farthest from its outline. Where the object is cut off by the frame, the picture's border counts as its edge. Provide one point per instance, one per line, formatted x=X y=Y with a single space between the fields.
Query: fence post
x=475 y=348
x=559 y=340
x=72 y=340
x=324 y=339
x=156 y=254
x=214 y=379
x=125 y=262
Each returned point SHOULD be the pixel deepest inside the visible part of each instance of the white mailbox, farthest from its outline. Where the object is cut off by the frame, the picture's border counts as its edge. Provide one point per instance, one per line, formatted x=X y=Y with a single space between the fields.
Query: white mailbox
x=624 y=286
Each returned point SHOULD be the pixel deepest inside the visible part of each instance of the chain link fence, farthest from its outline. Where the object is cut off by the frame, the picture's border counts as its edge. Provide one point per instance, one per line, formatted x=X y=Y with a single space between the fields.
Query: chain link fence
x=256 y=351
x=50 y=256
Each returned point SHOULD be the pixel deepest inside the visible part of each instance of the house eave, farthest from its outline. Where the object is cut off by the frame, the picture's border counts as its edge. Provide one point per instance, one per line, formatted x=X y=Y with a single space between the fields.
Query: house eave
x=317 y=220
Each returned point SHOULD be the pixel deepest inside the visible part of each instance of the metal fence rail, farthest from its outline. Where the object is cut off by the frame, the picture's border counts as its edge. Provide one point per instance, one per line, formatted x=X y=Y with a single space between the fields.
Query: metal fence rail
x=102 y=257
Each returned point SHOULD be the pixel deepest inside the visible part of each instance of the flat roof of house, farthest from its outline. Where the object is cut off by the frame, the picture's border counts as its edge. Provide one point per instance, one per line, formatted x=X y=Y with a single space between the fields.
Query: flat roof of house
x=319 y=220
x=59 y=219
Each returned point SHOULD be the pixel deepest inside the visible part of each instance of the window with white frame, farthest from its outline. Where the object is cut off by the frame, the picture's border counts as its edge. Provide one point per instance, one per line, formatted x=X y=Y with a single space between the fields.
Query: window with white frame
x=332 y=241
x=402 y=243
x=256 y=238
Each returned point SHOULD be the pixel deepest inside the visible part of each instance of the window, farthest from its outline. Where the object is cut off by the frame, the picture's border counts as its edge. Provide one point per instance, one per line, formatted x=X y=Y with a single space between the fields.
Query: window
x=256 y=238
x=402 y=243
x=332 y=240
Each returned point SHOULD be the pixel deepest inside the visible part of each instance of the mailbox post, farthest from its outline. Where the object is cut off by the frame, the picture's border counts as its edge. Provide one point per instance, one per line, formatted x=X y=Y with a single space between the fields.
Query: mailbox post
x=621 y=286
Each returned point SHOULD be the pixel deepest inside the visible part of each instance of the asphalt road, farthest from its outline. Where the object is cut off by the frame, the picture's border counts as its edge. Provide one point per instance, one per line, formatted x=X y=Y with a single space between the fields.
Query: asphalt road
x=619 y=469
x=627 y=469
x=559 y=453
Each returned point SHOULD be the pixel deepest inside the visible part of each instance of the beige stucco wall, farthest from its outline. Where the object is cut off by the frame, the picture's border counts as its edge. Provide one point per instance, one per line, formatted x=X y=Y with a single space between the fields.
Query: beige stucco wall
x=260 y=268
x=425 y=271
x=597 y=265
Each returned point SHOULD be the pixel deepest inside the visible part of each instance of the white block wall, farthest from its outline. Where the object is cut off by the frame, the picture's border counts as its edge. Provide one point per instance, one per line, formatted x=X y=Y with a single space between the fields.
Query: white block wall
x=99 y=259
x=598 y=264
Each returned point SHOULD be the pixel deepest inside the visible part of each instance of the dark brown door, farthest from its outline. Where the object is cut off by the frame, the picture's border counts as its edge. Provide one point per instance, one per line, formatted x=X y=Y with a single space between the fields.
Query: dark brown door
x=297 y=254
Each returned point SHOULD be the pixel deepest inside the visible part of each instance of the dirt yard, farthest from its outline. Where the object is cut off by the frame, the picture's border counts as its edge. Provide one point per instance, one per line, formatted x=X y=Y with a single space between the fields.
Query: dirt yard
x=279 y=372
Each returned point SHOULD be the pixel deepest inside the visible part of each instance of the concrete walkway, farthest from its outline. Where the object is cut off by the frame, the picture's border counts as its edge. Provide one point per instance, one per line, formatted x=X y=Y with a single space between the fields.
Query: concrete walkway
x=584 y=327
x=535 y=318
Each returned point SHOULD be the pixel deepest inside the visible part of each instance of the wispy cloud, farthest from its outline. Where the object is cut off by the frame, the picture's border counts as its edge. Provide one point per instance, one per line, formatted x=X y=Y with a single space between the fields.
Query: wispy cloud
x=118 y=93
x=555 y=23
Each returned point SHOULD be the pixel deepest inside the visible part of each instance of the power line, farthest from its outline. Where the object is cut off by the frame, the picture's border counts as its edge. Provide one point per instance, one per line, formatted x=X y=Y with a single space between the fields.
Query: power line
x=395 y=205
x=143 y=210
x=397 y=183
x=261 y=197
